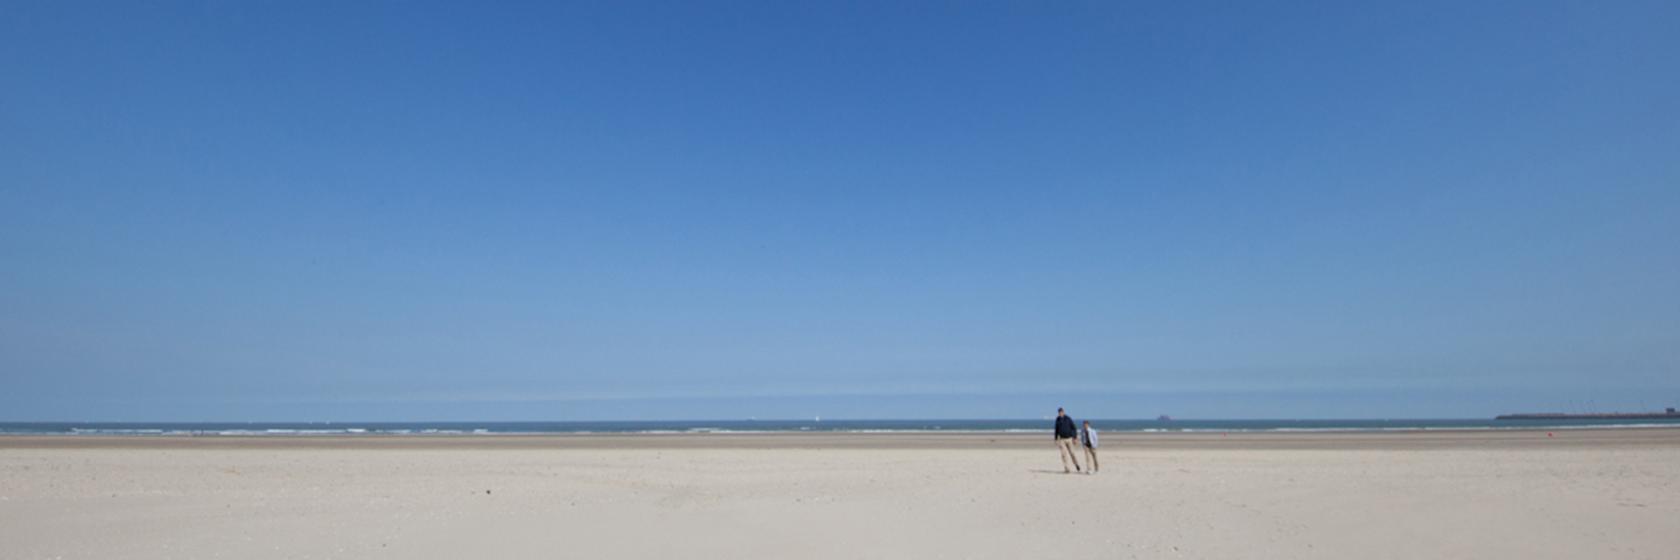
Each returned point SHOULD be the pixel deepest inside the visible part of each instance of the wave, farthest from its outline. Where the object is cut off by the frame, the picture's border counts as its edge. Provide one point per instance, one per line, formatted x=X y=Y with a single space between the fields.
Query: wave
x=375 y=429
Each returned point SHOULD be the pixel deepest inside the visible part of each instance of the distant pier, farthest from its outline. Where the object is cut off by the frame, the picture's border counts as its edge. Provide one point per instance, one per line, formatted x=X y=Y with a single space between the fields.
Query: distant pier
x=1666 y=415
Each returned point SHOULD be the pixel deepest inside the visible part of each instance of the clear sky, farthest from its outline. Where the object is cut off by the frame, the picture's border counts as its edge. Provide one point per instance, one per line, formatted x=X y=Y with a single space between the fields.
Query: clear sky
x=701 y=210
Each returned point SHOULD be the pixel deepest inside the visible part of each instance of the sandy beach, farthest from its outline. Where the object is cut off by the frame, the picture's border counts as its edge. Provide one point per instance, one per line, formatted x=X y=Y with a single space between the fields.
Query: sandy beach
x=1472 y=494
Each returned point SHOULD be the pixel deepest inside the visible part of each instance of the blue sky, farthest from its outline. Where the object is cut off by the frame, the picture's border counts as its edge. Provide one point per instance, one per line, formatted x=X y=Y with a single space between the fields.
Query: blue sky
x=692 y=210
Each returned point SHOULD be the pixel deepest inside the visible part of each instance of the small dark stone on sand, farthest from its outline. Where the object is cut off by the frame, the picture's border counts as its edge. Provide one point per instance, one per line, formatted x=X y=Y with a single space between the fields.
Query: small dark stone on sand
x=486 y=492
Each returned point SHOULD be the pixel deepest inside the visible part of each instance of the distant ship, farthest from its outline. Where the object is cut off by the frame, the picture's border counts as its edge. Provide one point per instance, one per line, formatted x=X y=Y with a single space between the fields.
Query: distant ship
x=1163 y=418
x=1669 y=414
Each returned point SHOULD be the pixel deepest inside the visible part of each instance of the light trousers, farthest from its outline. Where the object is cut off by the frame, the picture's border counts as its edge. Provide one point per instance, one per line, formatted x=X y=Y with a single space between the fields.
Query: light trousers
x=1066 y=445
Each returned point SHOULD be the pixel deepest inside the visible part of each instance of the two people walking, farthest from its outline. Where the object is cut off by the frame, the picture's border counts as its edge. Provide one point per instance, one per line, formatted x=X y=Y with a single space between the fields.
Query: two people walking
x=1066 y=436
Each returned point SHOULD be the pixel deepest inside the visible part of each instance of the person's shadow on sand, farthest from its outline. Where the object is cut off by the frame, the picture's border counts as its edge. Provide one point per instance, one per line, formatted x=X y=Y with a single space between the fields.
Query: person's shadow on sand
x=1051 y=471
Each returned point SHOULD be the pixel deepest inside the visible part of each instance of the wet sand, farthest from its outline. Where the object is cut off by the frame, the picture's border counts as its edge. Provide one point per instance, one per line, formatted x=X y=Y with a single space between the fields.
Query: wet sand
x=1417 y=439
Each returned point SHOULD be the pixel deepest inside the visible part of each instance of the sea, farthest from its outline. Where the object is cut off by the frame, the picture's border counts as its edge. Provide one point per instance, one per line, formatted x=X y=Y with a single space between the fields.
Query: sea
x=142 y=429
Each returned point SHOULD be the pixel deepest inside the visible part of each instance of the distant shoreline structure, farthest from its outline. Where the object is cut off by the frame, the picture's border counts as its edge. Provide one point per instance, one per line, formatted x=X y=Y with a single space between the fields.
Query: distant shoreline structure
x=1670 y=413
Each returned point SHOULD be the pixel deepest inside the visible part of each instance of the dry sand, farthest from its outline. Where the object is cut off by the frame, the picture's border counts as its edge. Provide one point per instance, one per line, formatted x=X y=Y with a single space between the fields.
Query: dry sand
x=1474 y=494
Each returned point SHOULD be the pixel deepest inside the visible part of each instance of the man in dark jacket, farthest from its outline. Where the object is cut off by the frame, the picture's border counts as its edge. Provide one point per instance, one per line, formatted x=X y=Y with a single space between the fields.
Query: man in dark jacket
x=1067 y=437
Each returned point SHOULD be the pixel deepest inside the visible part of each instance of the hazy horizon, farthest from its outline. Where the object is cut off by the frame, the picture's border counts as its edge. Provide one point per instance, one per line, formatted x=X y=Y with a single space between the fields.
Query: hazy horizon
x=430 y=211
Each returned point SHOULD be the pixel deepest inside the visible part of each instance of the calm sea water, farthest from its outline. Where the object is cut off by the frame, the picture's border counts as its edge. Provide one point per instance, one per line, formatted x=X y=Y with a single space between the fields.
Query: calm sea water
x=747 y=426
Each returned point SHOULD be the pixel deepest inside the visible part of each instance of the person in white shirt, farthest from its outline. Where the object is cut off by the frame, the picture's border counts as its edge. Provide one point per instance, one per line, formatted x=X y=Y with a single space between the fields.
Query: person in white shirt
x=1088 y=438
